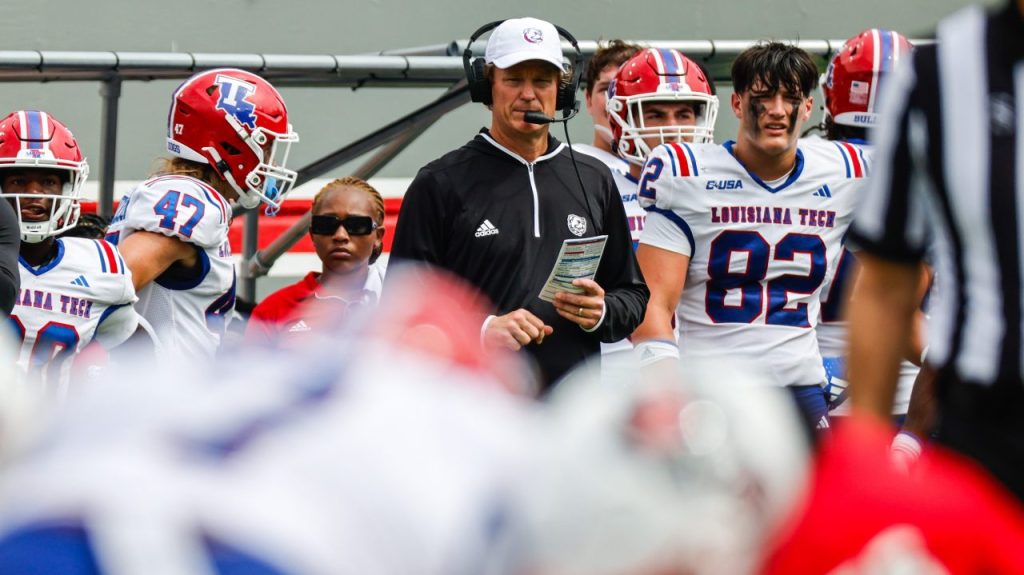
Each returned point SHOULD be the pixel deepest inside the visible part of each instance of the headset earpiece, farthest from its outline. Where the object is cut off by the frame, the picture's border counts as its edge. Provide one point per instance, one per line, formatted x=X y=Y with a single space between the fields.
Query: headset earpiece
x=476 y=75
x=566 y=101
x=480 y=85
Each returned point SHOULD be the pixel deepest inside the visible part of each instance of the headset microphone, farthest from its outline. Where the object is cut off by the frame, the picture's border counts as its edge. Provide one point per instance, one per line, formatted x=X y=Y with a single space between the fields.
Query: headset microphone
x=539 y=118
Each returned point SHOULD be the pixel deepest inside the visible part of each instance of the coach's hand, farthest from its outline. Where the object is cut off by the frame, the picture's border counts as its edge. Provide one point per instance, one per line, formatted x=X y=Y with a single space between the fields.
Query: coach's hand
x=516 y=329
x=585 y=309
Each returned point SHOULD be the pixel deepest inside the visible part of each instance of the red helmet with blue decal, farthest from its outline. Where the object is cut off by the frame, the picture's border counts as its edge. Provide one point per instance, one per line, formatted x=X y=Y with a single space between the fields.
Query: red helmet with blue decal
x=855 y=74
x=658 y=75
x=34 y=140
x=237 y=123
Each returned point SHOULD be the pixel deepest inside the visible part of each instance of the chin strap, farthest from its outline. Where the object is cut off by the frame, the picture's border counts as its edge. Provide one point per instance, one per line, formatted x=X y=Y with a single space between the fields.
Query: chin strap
x=245 y=197
x=605 y=133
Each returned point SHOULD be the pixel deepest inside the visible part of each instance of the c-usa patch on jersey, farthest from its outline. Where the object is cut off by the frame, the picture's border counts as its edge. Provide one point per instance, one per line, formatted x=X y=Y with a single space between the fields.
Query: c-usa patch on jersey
x=577 y=225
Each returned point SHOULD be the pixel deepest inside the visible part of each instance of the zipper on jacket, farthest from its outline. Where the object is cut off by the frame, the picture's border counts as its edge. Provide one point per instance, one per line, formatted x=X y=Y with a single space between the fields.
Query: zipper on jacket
x=536 y=202
x=529 y=169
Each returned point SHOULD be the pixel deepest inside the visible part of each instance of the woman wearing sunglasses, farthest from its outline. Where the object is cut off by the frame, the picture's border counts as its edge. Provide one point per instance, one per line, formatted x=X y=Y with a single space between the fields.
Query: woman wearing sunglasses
x=347 y=229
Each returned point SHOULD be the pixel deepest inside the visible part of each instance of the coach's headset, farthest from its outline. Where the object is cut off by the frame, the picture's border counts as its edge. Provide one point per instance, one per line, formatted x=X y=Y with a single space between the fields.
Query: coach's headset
x=566 y=102
x=480 y=86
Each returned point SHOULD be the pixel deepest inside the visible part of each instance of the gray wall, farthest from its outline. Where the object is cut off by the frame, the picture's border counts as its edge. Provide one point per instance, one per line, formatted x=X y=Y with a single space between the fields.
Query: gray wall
x=329 y=118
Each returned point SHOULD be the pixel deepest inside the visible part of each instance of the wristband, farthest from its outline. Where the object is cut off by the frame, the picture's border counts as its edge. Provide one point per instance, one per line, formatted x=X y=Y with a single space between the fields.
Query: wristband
x=655 y=350
x=905 y=448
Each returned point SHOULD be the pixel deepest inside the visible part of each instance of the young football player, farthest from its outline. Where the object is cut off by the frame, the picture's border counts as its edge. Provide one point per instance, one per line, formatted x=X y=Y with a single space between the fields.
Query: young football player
x=851 y=88
x=600 y=73
x=73 y=290
x=228 y=135
x=740 y=237
x=656 y=97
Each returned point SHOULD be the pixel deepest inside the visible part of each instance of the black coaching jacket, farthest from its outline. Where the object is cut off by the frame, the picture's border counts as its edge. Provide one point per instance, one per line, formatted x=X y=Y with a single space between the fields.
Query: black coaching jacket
x=498 y=221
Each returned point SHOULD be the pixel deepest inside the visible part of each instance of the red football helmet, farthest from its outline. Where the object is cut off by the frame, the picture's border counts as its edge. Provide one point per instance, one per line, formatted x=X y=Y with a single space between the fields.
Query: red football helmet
x=237 y=123
x=30 y=139
x=658 y=75
x=855 y=74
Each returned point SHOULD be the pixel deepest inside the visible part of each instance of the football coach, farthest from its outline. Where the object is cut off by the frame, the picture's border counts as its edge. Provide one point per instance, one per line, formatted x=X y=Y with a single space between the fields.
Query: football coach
x=497 y=210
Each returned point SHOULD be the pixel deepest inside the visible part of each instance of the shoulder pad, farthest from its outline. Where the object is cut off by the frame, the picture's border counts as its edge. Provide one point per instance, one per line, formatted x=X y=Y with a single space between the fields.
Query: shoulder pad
x=835 y=158
x=666 y=166
x=179 y=207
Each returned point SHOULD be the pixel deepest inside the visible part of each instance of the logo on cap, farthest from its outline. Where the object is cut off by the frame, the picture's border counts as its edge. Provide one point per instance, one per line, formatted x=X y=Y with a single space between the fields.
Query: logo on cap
x=533 y=35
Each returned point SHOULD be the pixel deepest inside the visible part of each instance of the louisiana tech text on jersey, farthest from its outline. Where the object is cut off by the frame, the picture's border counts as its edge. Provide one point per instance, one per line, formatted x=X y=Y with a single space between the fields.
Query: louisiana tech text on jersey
x=56 y=302
x=807 y=217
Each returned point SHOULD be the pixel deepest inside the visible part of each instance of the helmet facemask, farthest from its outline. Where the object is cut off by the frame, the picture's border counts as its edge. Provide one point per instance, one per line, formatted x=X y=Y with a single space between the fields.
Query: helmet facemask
x=628 y=114
x=64 y=207
x=269 y=181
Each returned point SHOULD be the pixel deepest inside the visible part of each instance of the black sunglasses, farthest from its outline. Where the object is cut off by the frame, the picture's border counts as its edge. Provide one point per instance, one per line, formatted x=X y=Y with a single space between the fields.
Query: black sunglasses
x=354 y=225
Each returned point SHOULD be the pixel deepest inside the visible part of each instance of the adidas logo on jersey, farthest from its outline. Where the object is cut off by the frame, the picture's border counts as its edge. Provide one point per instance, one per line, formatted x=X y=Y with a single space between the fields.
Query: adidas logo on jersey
x=823 y=192
x=486 y=229
x=80 y=281
x=299 y=326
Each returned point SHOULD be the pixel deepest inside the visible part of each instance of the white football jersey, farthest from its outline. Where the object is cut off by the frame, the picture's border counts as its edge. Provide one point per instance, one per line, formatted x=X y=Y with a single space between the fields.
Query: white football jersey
x=614 y=163
x=83 y=294
x=626 y=184
x=760 y=252
x=188 y=314
x=620 y=352
x=315 y=463
x=831 y=328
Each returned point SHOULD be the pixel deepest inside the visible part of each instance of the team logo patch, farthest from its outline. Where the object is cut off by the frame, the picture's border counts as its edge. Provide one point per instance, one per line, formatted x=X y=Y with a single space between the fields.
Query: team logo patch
x=859 y=92
x=34 y=153
x=234 y=99
x=533 y=35
x=577 y=225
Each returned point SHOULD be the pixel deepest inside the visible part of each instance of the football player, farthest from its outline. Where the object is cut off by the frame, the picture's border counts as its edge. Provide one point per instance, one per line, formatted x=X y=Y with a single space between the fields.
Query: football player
x=73 y=290
x=393 y=451
x=600 y=73
x=658 y=96
x=740 y=237
x=228 y=135
x=851 y=87
x=680 y=452
x=655 y=97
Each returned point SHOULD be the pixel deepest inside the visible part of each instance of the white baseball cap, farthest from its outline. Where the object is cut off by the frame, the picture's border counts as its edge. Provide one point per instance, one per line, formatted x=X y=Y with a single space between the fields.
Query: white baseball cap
x=519 y=39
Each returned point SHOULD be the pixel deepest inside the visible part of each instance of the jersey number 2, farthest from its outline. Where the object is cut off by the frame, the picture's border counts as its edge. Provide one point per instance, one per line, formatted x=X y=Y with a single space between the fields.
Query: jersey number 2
x=751 y=283
x=168 y=207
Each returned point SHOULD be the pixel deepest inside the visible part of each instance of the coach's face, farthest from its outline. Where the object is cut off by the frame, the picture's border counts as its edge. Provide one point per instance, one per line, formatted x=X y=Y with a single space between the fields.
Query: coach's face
x=771 y=122
x=530 y=86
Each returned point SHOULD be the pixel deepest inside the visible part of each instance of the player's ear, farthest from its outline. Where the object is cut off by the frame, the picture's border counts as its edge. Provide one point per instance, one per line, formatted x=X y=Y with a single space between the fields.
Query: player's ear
x=737 y=108
x=808 y=107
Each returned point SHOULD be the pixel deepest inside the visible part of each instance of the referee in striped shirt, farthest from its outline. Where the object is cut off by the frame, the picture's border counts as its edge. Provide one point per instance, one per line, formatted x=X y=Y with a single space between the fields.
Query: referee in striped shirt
x=948 y=181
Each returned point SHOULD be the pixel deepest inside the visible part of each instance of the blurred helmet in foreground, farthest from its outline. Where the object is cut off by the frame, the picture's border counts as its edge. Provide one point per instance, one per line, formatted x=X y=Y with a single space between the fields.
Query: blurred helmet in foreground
x=663 y=472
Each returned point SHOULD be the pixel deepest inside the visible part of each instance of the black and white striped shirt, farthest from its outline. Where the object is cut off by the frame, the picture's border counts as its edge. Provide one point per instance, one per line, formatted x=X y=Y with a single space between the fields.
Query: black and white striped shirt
x=949 y=179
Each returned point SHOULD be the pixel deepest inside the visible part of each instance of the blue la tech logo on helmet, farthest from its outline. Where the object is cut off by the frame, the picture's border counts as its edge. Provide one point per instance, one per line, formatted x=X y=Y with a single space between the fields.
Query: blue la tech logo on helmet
x=234 y=99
